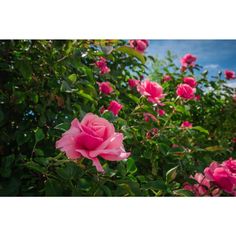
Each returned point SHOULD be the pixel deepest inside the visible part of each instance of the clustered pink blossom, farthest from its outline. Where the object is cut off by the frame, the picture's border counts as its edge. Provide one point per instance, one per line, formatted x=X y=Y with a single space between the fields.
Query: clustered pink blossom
x=92 y=138
x=217 y=177
x=188 y=60
x=139 y=45
x=102 y=65
x=105 y=87
x=152 y=90
x=229 y=74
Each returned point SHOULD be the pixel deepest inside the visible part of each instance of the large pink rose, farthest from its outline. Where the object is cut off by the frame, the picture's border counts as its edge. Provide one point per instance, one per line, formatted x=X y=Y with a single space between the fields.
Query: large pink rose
x=139 y=45
x=229 y=74
x=105 y=87
x=152 y=90
x=91 y=138
x=185 y=91
x=221 y=176
x=188 y=60
x=190 y=81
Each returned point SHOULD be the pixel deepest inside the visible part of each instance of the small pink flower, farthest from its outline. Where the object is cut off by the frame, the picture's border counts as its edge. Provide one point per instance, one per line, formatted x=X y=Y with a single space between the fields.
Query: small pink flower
x=229 y=74
x=114 y=107
x=233 y=140
x=185 y=91
x=190 y=81
x=183 y=69
x=166 y=78
x=102 y=109
x=152 y=133
x=201 y=188
x=91 y=138
x=105 y=87
x=152 y=90
x=161 y=112
x=188 y=60
x=197 y=97
x=221 y=175
x=148 y=116
x=186 y=124
x=234 y=97
x=102 y=65
x=133 y=82
x=139 y=45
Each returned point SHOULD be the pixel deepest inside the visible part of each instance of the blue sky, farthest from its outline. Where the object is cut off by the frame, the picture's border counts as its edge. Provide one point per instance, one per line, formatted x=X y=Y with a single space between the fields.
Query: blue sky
x=214 y=55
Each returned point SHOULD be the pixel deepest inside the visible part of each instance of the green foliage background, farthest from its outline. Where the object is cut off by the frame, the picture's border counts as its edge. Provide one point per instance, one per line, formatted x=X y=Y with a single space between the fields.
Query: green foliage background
x=46 y=84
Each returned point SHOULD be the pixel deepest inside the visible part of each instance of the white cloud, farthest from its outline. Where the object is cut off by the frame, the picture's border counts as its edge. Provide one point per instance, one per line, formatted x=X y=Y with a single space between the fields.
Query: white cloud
x=212 y=66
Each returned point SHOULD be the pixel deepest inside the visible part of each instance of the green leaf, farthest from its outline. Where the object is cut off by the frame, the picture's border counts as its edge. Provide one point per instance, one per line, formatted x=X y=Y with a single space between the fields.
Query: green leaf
x=35 y=167
x=72 y=78
x=131 y=167
x=63 y=126
x=6 y=165
x=214 y=148
x=133 y=98
x=171 y=174
x=39 y=135
x=25 y=69
x=199 y=128
x=53 y=188
x=183 y=193
x=132 y=52
x=85 y=95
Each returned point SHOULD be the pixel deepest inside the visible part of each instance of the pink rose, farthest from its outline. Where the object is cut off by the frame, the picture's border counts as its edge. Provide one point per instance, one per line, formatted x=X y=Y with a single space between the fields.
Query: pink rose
x=190 y=81
x=229 y=74
x=185 y=91
x=152 y=90
x=186 y=124
x=133 y=82
x=200 y=189
x=148 y=116
x=114 y=107
x=161 y=112
x=105 y=87
x=102 y=65
x=188 y=60
x=166 y=78
x=91 y=138
x=221 y=176
x=139 y=45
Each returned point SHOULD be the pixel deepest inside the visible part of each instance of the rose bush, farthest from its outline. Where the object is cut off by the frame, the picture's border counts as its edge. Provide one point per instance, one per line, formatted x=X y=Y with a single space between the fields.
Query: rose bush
x=90 y=118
